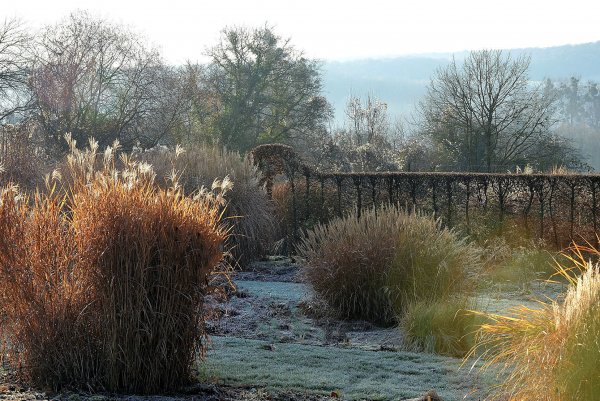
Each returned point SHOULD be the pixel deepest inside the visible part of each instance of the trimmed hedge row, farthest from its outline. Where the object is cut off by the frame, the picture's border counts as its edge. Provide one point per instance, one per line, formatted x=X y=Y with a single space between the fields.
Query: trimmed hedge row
x=552 y=207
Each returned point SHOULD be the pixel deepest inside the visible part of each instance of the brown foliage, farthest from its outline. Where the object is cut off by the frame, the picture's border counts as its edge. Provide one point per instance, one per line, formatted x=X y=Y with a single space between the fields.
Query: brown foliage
x=248 y=210
x=21 y=161
x=313 y=205
x=375 y=266
x=102 y=281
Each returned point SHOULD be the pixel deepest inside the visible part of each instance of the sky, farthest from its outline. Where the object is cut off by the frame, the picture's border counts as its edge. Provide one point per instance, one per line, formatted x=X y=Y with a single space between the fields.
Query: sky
x=337 y=29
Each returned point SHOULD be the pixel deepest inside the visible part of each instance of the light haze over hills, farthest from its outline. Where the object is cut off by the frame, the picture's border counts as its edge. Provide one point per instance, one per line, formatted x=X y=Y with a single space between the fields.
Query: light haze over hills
x=401 y=81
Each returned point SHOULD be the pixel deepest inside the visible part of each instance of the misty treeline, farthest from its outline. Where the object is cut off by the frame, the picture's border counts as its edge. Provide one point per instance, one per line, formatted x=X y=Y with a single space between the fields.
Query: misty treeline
x=483 y=115
x=579 y=118
x=93 y=78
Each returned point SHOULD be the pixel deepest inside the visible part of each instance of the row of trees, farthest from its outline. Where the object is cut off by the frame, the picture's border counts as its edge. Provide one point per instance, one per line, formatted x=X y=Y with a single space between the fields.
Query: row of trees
x=579 y=108
x=92 y=78
x=579 y=103
x=89 y=77
x=483 y=114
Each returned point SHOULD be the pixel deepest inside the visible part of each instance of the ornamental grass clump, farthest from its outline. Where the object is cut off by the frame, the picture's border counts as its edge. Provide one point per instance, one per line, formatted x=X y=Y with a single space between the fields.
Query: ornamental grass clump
x=102 y=279
x=430 y=262
x=249 y=211
x=347 y=261
x=443 y=327
x=551 y=352
x=375 y=267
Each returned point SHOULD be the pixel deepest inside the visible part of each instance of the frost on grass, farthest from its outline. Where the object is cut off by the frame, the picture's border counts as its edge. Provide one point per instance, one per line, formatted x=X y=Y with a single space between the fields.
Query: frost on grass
x=356 y=373
x=306 y=359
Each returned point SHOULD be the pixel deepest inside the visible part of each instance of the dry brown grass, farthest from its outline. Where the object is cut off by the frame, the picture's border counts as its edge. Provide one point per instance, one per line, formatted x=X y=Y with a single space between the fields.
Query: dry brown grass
x=102 y=280
x=249 y=211
x=282 y=200
x=374 y=267
x=318 y=207
x=22 y=161
x=347 y=261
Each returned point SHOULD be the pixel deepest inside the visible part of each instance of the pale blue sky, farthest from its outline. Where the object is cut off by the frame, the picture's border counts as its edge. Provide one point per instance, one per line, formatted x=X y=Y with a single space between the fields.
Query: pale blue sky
x=337 y=29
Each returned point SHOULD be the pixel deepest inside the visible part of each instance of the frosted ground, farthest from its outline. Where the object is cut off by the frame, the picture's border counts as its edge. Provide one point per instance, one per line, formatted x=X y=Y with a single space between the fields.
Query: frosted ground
x=271 y=334
x=270 y=340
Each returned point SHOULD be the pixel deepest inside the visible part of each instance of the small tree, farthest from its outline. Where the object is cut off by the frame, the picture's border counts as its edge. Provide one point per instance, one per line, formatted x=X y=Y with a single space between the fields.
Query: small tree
x=368 y=122
x=263 y=90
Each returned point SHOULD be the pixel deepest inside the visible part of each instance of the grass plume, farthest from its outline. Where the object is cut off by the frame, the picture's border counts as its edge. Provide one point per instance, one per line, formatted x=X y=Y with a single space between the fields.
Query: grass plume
x=249 y=210
x=102 y=276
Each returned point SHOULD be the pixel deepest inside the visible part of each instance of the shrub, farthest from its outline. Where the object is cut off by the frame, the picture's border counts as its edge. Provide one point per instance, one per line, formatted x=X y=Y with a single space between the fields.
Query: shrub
x=347 y=260
x=372 y=268
x=249 y=209
x=102 y=282
x=430 y=262
x=444 y=327
x=549 y=353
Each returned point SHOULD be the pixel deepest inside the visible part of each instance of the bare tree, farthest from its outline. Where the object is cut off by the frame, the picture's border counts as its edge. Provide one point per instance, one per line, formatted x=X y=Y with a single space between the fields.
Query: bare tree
x=94 y=78
x=369 y=142
x=14 y=44
x=368 y=122
x=202 y=104
x=485 y=114
x=166 y=115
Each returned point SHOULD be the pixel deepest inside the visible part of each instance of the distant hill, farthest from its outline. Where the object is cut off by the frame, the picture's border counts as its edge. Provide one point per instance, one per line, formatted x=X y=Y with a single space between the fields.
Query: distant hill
x=401 y=81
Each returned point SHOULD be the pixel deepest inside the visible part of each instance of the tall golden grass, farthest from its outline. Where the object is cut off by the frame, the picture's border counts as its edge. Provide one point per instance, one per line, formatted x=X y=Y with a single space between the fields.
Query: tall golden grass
x=249 y=210
x=552 y=352
x=102 y=279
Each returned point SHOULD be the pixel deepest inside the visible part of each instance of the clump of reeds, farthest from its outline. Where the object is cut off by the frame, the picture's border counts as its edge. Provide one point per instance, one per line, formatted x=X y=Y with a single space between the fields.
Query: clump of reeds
x=551 y=352
x=249 y=210
x=22 y=160
x=44 y=298
x=374 y=267
x=102 y=279
x=347 y=261
x=430 y=263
